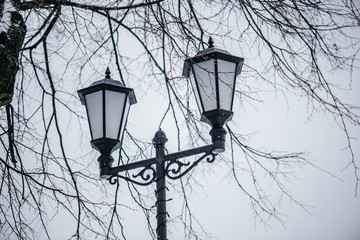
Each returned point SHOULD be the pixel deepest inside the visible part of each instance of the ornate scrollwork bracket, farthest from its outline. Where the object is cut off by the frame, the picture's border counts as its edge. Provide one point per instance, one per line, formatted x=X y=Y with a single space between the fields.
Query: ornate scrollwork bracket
x=147 y=175
x=173 y=169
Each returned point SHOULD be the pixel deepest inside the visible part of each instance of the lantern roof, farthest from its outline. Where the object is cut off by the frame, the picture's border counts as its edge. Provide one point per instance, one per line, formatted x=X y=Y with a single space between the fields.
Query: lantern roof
x=211 y=53
x=211 y=49
x=108 y=84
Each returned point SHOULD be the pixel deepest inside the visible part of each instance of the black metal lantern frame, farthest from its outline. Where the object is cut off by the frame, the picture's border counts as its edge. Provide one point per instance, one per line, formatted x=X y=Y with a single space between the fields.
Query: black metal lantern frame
x=170 y=165
x=218 y=115
x=105 y=144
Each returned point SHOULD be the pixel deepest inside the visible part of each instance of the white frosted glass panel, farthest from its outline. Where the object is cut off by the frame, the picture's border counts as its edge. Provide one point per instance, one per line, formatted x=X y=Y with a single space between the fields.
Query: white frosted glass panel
x=127 y=108
x=94 y=109
x=205 y=79
x=226 y=73
x=192 y=80
x=114 y=109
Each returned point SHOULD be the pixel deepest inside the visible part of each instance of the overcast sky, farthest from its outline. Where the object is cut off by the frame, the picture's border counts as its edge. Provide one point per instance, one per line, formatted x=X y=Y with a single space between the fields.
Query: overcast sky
x=275 y=123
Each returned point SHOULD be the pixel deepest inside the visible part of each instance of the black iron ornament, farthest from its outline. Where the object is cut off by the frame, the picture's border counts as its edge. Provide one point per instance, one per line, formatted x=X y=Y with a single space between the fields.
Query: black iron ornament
x=212 y=73
x=146 y=176
x=210 y=42
x=174 y=168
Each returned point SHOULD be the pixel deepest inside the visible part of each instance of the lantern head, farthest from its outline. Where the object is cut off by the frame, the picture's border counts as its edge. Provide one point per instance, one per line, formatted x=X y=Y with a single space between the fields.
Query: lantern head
x=213 y=75
x=107 y=104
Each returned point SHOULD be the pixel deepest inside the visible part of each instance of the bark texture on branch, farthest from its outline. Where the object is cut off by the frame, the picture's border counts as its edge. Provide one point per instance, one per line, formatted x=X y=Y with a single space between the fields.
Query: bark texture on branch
x=12 y=34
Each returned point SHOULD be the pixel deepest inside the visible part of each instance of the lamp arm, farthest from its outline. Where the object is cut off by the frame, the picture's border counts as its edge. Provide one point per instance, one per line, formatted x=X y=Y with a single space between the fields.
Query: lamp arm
x=188 y=153
x=148 y=173
x=131 y=166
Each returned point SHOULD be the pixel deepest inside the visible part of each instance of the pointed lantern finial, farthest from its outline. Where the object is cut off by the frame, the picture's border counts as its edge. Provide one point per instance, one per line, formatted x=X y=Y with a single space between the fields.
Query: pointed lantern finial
x=107 y=73
x=211 y=42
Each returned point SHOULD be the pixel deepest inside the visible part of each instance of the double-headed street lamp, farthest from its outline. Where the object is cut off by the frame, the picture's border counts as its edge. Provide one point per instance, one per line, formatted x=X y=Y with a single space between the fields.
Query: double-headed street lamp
x=212 y=74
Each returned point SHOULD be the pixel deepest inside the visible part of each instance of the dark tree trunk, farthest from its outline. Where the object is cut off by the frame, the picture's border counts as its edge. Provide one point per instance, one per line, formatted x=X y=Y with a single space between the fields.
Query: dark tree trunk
x=11 y=41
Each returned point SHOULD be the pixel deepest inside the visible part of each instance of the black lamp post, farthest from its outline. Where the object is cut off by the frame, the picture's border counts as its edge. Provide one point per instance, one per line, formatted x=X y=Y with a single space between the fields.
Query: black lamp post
x=213 y=73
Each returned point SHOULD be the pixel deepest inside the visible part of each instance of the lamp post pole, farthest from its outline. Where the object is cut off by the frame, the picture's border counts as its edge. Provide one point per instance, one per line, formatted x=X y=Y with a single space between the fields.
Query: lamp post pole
x=166 y=166
x=159 y=142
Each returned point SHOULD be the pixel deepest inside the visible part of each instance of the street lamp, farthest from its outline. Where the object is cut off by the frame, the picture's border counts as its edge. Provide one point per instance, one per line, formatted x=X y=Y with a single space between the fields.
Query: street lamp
x=212 y=74
x=107 y=104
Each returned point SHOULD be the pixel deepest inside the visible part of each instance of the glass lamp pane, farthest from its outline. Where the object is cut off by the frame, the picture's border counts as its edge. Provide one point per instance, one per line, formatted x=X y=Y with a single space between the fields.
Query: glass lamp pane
x=114 y=112
x=94 y=107
x=126 y=113
x=197 y=97
x=205 y=84
x=226 y=73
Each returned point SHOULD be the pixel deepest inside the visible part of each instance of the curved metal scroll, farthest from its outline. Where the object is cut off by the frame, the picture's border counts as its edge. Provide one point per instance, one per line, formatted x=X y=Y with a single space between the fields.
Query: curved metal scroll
x=173 y=168
x=147 y=176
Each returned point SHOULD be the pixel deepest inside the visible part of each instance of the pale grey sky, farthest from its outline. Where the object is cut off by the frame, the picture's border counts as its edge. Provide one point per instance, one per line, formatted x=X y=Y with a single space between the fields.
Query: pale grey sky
x=274 y=123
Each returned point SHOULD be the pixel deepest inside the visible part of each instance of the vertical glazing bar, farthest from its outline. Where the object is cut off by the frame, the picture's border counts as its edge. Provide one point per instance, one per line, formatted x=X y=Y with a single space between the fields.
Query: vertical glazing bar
x=159 y=142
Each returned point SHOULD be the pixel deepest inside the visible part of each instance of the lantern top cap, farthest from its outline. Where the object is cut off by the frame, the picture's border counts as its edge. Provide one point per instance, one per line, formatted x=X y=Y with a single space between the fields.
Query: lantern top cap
x=108 y=80
x=211 y=42
x=211 y=49
x=107 y=83
x=107 y=73
x=210 y=53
